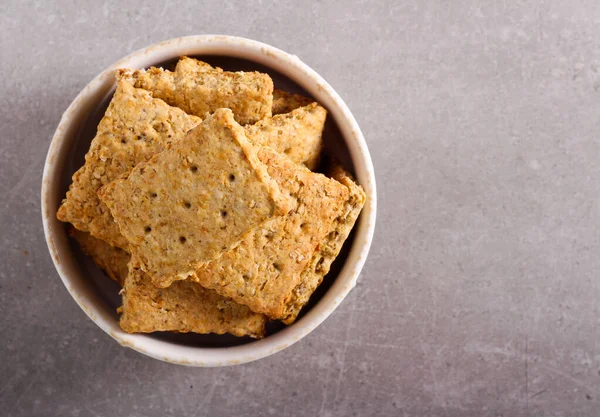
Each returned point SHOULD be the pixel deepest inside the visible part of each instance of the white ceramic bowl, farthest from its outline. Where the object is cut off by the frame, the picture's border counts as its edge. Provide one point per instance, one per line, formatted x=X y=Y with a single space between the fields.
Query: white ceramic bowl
x=287 y=71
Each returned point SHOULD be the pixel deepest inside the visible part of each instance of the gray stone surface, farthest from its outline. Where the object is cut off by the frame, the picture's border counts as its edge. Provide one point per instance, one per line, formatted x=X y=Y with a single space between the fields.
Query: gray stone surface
x=480 y=296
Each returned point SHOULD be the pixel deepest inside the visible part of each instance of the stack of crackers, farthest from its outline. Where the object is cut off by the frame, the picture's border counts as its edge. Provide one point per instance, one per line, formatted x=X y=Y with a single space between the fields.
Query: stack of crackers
x=198 y=197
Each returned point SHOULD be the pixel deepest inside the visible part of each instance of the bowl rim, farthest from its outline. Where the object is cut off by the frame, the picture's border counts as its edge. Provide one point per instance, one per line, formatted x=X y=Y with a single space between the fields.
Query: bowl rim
x=290 y=66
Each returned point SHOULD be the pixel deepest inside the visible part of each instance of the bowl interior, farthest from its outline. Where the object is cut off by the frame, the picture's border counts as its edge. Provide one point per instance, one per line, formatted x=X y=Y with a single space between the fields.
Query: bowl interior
x=107 y=290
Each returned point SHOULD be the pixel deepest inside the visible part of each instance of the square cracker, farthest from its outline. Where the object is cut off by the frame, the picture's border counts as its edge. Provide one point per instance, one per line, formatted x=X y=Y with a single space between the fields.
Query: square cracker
x=263 y=269
x=298 y=134
x=194 y=200
x=133 y=129
x=184 y=307
x=198 y=90
x=329 y=247
x=112 y=260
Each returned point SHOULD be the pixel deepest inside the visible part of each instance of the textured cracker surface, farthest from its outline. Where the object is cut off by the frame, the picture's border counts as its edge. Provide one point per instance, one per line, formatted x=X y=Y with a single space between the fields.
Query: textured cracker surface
x=198 y=90
x=264 y=268
x=329 y=247
x=284 y=102
x=192 y=201
x=112 y=260
x=298 y=134
x=134 y=128
x=184 y=307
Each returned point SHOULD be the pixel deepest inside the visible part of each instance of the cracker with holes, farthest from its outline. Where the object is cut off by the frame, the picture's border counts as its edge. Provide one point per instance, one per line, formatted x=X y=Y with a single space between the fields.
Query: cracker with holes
x=199 y=90
x=329 y=247
x=263 y=270
x=112 y=260
x=133 y=129
x=195 y=200
x=184 y=307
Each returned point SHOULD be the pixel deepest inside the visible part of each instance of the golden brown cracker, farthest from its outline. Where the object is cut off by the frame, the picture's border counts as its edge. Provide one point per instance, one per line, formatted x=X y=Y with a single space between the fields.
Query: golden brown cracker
x=194 y=200
x=183 y=307
x=134 y=128
x=329 y=247
x=263 y=269
x=298 y=134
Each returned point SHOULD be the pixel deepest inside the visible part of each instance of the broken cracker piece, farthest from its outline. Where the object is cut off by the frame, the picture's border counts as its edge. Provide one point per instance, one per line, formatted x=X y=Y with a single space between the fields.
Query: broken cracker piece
x=112 y=260
x=298 y=134
x=183 y=307
x=284 y=102
x=263 y=269
x=193 y=201
x=133 y=129
x=198 y=90
x=329 y=247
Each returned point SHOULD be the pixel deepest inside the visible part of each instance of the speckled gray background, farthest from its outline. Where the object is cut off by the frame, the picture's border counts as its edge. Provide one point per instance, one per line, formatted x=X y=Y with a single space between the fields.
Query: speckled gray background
x=480 y=296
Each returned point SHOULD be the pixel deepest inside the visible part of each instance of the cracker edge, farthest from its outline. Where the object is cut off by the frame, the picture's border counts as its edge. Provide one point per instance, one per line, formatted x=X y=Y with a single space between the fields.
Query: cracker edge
x=331 y=246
